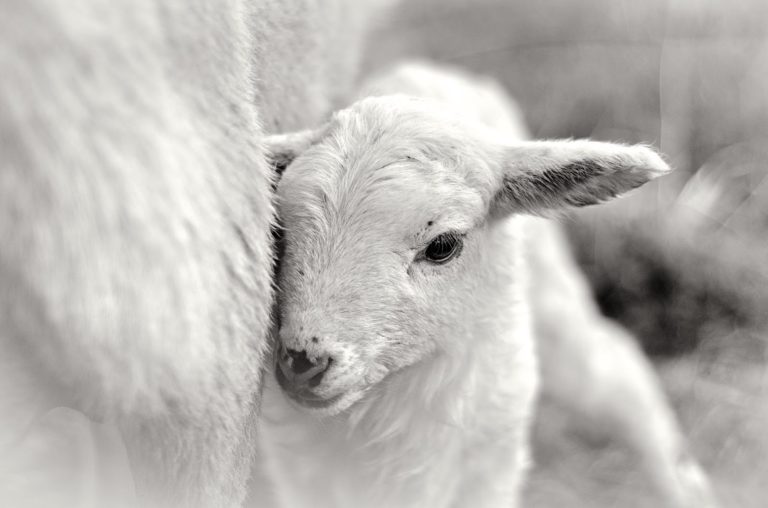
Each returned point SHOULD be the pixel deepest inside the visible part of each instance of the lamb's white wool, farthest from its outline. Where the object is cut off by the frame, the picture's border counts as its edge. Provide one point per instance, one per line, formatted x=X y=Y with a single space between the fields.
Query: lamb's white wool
x=428 y=372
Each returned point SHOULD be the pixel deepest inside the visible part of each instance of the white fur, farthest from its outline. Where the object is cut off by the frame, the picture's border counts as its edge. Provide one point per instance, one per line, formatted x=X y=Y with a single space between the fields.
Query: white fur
x=135 y=257
x=435 y=376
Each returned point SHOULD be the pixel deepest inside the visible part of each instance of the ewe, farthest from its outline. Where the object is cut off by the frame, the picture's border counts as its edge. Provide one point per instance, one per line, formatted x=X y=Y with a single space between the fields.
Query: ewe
x=135 y=262
x=405 y=339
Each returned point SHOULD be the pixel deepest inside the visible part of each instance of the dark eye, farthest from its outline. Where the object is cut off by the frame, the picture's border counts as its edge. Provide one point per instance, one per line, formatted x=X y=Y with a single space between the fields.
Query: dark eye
x=443 y=248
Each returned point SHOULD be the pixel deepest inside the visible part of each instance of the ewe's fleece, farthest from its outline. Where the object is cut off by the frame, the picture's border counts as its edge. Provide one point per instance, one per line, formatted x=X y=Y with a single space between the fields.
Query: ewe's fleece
x=135 y=215
x=434 y=374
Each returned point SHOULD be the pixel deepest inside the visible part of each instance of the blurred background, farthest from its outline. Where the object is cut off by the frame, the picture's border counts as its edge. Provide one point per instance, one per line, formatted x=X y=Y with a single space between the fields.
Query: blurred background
x=684 y=262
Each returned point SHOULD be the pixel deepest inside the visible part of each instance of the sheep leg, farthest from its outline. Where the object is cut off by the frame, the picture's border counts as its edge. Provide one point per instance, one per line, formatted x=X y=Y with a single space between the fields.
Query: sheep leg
x=594 y=369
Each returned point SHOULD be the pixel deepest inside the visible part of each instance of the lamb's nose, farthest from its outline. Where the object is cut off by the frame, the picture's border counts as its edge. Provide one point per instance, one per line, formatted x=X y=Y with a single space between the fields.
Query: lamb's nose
x=299 y=370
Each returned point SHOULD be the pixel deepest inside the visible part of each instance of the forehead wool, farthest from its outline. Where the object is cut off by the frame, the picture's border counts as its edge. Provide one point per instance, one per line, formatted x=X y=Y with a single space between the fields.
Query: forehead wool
x=393 y=166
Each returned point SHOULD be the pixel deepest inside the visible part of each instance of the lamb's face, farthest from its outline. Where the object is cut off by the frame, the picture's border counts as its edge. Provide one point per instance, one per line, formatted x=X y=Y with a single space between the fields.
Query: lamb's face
x=381 y=235
x=385 y=215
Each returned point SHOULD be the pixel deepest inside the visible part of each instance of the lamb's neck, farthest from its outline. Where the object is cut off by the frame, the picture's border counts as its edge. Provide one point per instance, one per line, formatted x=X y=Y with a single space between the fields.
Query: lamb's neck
x=449 y=393
x=445 y=389
x=417 y=428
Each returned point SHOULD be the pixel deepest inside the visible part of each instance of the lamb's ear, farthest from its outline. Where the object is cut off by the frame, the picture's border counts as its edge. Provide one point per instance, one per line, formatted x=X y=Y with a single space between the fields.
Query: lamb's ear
x=545 y=175
x=281 y=149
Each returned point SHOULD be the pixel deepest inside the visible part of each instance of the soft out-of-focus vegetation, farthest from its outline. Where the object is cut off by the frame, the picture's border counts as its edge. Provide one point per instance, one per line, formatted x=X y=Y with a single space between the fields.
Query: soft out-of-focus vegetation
x=684 y=262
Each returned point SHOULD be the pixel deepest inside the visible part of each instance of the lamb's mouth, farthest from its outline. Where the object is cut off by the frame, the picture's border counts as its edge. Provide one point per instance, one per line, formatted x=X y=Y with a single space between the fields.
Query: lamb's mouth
x=304 y=396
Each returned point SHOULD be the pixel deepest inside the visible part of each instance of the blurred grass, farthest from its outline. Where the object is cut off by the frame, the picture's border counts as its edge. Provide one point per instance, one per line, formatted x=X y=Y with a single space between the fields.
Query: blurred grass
x=684 y=263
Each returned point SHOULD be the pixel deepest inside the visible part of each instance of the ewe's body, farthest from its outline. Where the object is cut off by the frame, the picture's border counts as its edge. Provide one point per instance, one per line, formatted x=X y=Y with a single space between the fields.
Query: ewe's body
x=424 y=373
x=135 y=263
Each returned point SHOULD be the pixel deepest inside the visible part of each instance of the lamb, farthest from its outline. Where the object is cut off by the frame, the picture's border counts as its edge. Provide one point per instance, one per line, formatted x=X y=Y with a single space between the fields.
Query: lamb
x=405 y=349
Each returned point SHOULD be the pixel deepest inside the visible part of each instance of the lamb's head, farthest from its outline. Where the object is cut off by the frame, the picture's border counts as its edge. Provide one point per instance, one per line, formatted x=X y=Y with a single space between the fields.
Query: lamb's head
x=387 y=212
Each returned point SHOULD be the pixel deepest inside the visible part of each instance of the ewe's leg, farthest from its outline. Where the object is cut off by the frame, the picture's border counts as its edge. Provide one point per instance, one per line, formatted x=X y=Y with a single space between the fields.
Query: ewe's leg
x=593 y=368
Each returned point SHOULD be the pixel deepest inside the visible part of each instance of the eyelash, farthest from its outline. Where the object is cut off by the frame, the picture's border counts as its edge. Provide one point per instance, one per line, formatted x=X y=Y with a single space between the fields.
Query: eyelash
x=445 y=247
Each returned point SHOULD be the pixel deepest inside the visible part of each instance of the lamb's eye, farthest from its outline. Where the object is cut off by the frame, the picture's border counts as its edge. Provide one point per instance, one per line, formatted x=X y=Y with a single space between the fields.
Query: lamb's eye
x=443 y=248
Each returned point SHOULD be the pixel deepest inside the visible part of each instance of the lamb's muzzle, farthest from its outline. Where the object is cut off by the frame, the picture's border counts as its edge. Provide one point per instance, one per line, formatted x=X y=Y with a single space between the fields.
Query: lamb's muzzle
x=299 y=374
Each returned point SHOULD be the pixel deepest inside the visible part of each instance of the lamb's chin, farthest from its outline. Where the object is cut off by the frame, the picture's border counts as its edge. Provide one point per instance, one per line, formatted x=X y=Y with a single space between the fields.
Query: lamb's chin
x=358 y=397
x=335 y=406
